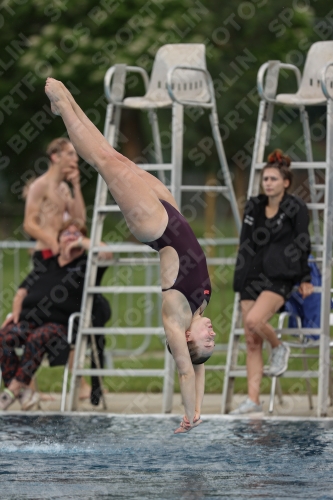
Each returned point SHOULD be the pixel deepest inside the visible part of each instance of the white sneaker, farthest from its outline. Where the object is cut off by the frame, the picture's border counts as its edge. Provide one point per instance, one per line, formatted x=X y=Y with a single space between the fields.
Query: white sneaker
x=28 y=398
x=6 y=399
x=248 y=406
x=279 y=361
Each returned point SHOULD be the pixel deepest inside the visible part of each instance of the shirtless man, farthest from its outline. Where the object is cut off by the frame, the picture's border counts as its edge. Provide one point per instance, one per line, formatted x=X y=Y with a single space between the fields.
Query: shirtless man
x=47 y=202
x=49 y=198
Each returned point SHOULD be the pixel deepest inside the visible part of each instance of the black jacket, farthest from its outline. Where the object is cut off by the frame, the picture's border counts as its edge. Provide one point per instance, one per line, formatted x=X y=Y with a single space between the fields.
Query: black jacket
x=55 y=292
x=285 y=256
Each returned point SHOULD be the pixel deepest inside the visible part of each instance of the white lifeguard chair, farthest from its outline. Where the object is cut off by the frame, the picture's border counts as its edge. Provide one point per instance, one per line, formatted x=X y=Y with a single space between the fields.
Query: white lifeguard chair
x=315 y=88
x=179 y=80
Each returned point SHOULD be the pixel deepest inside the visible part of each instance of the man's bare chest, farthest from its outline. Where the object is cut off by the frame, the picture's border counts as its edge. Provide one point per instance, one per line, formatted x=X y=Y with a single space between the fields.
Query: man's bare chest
x=54 y=202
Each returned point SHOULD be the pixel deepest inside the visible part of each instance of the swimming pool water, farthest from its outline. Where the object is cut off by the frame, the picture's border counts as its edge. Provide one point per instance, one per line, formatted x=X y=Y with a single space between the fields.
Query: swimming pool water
x=119 y=457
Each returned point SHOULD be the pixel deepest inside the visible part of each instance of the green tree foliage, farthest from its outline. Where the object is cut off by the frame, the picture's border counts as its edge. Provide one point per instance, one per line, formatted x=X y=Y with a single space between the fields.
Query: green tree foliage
x=78 y=40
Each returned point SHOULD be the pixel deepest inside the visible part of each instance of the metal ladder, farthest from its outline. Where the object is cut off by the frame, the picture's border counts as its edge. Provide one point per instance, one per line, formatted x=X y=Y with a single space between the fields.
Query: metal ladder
x=171 y=80
x=321 y=196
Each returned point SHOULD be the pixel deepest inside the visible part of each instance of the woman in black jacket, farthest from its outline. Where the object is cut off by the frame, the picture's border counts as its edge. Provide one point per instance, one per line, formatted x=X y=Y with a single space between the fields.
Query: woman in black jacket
x=272 y=258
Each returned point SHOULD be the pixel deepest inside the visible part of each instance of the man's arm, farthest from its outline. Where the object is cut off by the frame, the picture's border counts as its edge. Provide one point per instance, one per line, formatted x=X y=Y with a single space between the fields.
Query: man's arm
x=32 y=213
x=17 y=307
x=84 y=243
x=75 y=204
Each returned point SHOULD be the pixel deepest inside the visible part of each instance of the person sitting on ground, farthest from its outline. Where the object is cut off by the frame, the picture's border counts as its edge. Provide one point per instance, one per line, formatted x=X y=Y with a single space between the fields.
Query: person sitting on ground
x=272 y=259
x=49 y=200
x=41 y=310
x=153 y=217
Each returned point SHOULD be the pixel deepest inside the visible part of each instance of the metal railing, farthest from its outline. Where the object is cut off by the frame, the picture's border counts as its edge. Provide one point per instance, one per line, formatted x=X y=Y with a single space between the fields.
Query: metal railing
x=15 y=264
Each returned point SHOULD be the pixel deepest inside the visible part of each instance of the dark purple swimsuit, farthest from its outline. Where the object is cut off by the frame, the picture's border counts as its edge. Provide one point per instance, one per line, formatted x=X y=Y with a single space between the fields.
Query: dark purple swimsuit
x=193 y=278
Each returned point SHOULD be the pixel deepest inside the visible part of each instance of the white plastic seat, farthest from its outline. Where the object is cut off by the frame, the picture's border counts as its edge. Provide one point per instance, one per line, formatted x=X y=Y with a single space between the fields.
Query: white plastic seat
x=310 y=92
x=179 y=79
x=188 y=85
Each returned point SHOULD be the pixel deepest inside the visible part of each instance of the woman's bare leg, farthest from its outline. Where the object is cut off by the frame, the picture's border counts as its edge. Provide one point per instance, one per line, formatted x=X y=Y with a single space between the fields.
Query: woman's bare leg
x=254 y=361
x=255 y=319
x=266 y=305
x=158 y=187
x=143 y=212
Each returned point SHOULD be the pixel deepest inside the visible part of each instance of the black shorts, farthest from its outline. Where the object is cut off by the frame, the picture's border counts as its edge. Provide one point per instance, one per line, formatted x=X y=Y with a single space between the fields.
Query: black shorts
x=253 y=288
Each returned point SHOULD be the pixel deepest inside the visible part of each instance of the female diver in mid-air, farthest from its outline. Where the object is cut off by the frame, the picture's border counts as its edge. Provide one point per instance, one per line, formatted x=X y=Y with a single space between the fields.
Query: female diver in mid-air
x=153 y=217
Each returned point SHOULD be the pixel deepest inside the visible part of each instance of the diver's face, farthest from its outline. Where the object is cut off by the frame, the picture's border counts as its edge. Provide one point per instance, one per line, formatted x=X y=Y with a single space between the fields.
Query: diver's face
x=202 y=333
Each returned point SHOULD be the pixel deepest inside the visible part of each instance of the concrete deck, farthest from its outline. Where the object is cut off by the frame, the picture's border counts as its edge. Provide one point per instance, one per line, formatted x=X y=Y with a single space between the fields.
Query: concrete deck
x=149 y=403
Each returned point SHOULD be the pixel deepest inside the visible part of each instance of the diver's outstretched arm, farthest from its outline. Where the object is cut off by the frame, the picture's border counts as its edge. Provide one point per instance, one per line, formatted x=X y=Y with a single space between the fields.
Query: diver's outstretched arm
x=175 y=321
x=199 y=371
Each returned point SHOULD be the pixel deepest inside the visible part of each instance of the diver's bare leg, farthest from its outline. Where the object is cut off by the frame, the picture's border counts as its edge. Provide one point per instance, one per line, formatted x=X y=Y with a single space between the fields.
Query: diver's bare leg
x=160 y=189
x=144 y=214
